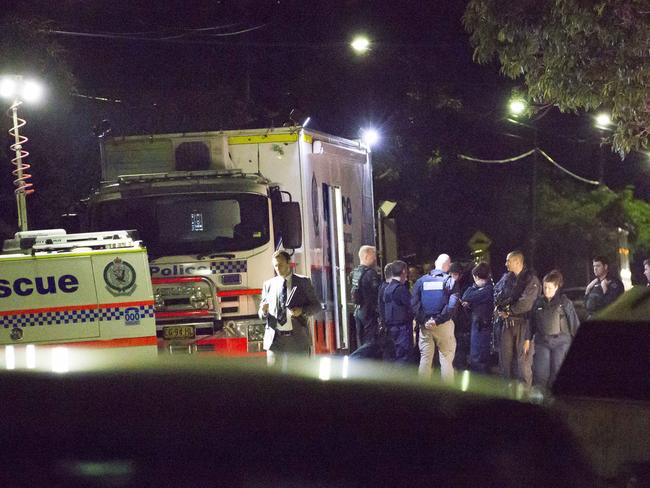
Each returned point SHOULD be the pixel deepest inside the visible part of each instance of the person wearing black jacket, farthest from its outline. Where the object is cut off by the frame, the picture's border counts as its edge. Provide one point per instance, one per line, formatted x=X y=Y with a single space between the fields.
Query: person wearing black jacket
x=365 y=285
x=554 y=323
x=398 y=318
x=513 y=306
x=604 y=289
x=381 y=346
x=479 y=300
x=388 y=277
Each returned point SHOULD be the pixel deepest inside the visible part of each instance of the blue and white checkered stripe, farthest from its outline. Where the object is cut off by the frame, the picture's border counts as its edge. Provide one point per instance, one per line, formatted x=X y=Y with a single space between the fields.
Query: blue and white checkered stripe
x=117 y=313
x=228 y=267
x=66 y=317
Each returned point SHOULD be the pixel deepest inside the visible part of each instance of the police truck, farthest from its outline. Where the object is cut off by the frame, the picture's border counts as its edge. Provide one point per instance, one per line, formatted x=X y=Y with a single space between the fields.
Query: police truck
x=212 y=207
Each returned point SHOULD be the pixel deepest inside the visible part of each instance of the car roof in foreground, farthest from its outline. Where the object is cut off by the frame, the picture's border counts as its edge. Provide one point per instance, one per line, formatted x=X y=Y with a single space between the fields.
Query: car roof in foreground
x=610 y=356
x=319 y=422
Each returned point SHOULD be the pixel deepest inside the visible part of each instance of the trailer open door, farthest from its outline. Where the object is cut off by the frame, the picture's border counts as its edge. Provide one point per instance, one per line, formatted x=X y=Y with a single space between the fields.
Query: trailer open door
x=339 y=268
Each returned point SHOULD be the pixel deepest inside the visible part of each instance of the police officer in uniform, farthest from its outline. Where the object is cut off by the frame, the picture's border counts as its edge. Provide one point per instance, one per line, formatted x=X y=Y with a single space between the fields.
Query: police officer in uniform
x=365 y=283
x=397 y=312
x=514 y=308
x=432 y=304
x=388 y=277
x=554 y=324
x=381 y=347
x=604 y=289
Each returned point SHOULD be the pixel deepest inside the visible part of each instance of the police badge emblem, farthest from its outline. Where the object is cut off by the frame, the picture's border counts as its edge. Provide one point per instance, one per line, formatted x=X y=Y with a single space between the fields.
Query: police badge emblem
x=119 y=277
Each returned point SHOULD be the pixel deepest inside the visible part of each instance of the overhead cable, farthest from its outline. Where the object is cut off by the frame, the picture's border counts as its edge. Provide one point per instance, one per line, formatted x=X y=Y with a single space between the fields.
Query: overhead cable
x=202 y=34
x=498 y=161
x=101 y=99
x=525 y=155
x=557 y=165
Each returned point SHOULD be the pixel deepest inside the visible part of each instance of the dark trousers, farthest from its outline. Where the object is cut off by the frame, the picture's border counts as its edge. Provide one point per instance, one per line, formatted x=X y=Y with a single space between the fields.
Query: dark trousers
x=366 y=327
x=382 y=348
x=512 y=348
x=479 y=350
x=296 y=343
x=550 y=351
x=402 y=337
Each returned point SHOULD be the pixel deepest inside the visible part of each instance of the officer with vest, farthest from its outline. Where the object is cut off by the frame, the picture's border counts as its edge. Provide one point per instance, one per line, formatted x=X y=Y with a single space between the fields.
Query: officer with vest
x=513 y=303
x=381 y=347
x=364 y=286
x=554 y=323
x=397 y=315
x=432 y=304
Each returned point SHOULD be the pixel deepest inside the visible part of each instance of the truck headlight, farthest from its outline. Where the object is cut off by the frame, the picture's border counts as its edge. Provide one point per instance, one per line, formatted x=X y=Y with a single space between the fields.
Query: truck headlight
x=158 y=302
x=199 y=300
x=256 y=332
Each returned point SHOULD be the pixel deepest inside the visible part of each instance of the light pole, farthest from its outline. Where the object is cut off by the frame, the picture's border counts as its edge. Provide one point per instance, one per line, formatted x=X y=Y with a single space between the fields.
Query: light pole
x=602 y=122
x=518 y=107
x=369 y=138
x=17 y=89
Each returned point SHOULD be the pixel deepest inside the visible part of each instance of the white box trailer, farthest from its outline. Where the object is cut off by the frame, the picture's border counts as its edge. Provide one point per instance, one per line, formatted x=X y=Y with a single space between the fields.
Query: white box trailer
x=58 y=288
x=212 y=207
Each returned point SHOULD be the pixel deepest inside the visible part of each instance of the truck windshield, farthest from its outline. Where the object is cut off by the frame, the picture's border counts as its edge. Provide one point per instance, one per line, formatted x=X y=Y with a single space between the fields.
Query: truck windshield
x=189 y=224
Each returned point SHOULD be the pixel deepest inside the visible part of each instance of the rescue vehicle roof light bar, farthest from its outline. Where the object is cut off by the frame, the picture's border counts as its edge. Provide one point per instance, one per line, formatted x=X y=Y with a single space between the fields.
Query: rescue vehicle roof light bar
x=94 y=240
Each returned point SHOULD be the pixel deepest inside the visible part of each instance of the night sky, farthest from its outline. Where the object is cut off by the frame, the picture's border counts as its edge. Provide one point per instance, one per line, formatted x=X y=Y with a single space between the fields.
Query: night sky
x=169 y=66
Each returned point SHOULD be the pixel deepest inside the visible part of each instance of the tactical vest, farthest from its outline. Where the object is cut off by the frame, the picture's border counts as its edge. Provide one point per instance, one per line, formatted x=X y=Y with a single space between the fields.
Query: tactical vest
x=435 y=293
x=551 y=318
x=356 y=294
x=394 y=313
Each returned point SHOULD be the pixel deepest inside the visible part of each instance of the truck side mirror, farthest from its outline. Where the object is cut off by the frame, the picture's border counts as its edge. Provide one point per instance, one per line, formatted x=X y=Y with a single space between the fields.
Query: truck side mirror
x=290 y=225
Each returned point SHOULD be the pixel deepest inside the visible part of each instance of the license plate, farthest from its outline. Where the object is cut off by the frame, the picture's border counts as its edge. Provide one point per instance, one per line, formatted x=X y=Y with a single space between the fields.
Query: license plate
x=179 y=332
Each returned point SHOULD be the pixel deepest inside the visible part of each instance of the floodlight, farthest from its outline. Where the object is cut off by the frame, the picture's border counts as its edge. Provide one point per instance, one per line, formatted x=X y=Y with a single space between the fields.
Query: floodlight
x=31 y=91
x=8 y=87
x=370 y=137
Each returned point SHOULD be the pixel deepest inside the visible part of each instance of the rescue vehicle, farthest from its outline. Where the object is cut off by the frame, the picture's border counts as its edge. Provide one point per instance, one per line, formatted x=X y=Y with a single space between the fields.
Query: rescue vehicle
x=212 y=207
x=92 y=288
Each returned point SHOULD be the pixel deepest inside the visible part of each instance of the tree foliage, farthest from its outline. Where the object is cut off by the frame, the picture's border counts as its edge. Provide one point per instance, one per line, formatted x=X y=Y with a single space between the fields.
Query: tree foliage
x=576 y=223
x=575 y=54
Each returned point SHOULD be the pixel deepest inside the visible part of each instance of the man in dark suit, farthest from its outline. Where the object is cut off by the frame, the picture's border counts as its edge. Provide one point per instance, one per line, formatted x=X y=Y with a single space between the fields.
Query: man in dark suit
x=288 y=300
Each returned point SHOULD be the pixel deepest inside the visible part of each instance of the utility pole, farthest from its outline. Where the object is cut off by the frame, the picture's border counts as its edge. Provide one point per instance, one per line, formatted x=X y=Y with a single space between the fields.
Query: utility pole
x=533 y=203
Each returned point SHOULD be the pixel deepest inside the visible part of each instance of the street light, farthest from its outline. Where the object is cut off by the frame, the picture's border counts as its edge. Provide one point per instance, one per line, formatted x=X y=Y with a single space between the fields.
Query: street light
x=517 y=106
x=17 y=89
x=360 y=44
x=603 y=120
